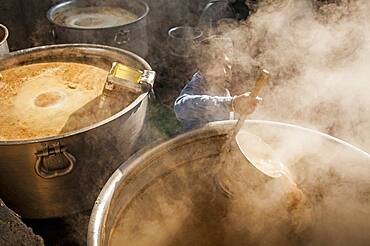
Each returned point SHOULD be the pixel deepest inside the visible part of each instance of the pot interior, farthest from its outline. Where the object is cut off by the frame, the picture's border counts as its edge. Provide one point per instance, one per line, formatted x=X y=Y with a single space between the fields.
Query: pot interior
x=54 y=96
x=97 y=15
x=170 y=197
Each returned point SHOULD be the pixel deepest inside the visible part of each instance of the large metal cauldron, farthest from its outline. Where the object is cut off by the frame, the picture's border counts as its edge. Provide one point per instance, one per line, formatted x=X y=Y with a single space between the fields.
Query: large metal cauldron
x=167 y=195
x=85 y=158
x=131 y=36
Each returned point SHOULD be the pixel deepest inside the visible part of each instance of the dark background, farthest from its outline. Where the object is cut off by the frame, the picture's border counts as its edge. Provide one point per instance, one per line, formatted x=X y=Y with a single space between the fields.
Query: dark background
x=29 y=27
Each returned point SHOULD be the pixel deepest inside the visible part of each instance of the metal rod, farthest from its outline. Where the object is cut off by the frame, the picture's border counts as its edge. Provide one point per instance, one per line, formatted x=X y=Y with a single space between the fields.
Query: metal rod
x=259 y=85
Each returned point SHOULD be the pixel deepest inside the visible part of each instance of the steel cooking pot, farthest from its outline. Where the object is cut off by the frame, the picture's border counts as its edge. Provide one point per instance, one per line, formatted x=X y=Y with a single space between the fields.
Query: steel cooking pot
x=181 y=40
x=62 y=174
x=166 y=194
x=98 y=22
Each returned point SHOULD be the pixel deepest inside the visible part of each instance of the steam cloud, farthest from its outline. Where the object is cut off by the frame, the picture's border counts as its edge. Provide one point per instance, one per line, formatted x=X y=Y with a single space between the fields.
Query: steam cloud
x=318 y=56
x=183 y=206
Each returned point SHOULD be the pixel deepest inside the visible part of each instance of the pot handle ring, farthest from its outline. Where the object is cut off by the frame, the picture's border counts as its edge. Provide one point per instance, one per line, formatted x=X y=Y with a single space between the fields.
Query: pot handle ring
x=55 y=151
x=122 y=37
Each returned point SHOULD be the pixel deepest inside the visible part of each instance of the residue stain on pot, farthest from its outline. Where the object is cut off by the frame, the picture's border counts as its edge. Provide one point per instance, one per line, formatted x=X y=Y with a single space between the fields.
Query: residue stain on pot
x=48 y=99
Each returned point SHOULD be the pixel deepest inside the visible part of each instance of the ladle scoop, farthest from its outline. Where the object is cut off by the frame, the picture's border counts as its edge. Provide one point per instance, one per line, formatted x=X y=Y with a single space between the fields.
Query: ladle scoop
x=254 y=149
x=123 y=79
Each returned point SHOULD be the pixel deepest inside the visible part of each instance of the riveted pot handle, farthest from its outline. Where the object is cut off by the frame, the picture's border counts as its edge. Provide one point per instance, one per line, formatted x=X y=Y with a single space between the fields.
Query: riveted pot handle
x=48 y=155
x=122 y=37
x=53 y=33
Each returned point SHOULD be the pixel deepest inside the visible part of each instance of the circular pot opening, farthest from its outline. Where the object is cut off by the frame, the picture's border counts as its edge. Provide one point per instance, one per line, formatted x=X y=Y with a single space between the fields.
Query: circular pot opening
x=79 y=15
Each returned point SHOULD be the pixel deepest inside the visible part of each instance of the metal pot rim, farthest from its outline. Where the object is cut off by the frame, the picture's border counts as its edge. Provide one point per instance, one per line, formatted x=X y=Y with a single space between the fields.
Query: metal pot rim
x=102 y=204
x=6 y=34
x=93 y=126
x=198 y=31
x=50 y=17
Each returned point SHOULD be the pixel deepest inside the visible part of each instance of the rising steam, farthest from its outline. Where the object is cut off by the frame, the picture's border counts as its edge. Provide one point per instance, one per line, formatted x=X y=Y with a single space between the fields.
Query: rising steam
x=318 y=56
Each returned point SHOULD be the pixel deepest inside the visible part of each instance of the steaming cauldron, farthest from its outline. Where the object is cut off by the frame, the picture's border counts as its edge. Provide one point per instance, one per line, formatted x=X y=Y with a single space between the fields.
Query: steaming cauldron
x=61 y=174
x=167 y=195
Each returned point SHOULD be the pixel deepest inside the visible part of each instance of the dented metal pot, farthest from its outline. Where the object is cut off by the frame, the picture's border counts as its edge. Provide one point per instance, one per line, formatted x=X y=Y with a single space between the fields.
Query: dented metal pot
x=63 y=174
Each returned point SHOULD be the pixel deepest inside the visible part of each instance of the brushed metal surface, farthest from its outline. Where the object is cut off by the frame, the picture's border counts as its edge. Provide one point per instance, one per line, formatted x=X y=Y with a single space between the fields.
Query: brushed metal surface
x=98 y=149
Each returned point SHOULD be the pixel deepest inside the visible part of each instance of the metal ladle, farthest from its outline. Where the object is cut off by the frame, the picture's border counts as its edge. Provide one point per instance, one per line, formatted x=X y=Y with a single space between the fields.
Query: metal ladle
x=254 y=149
